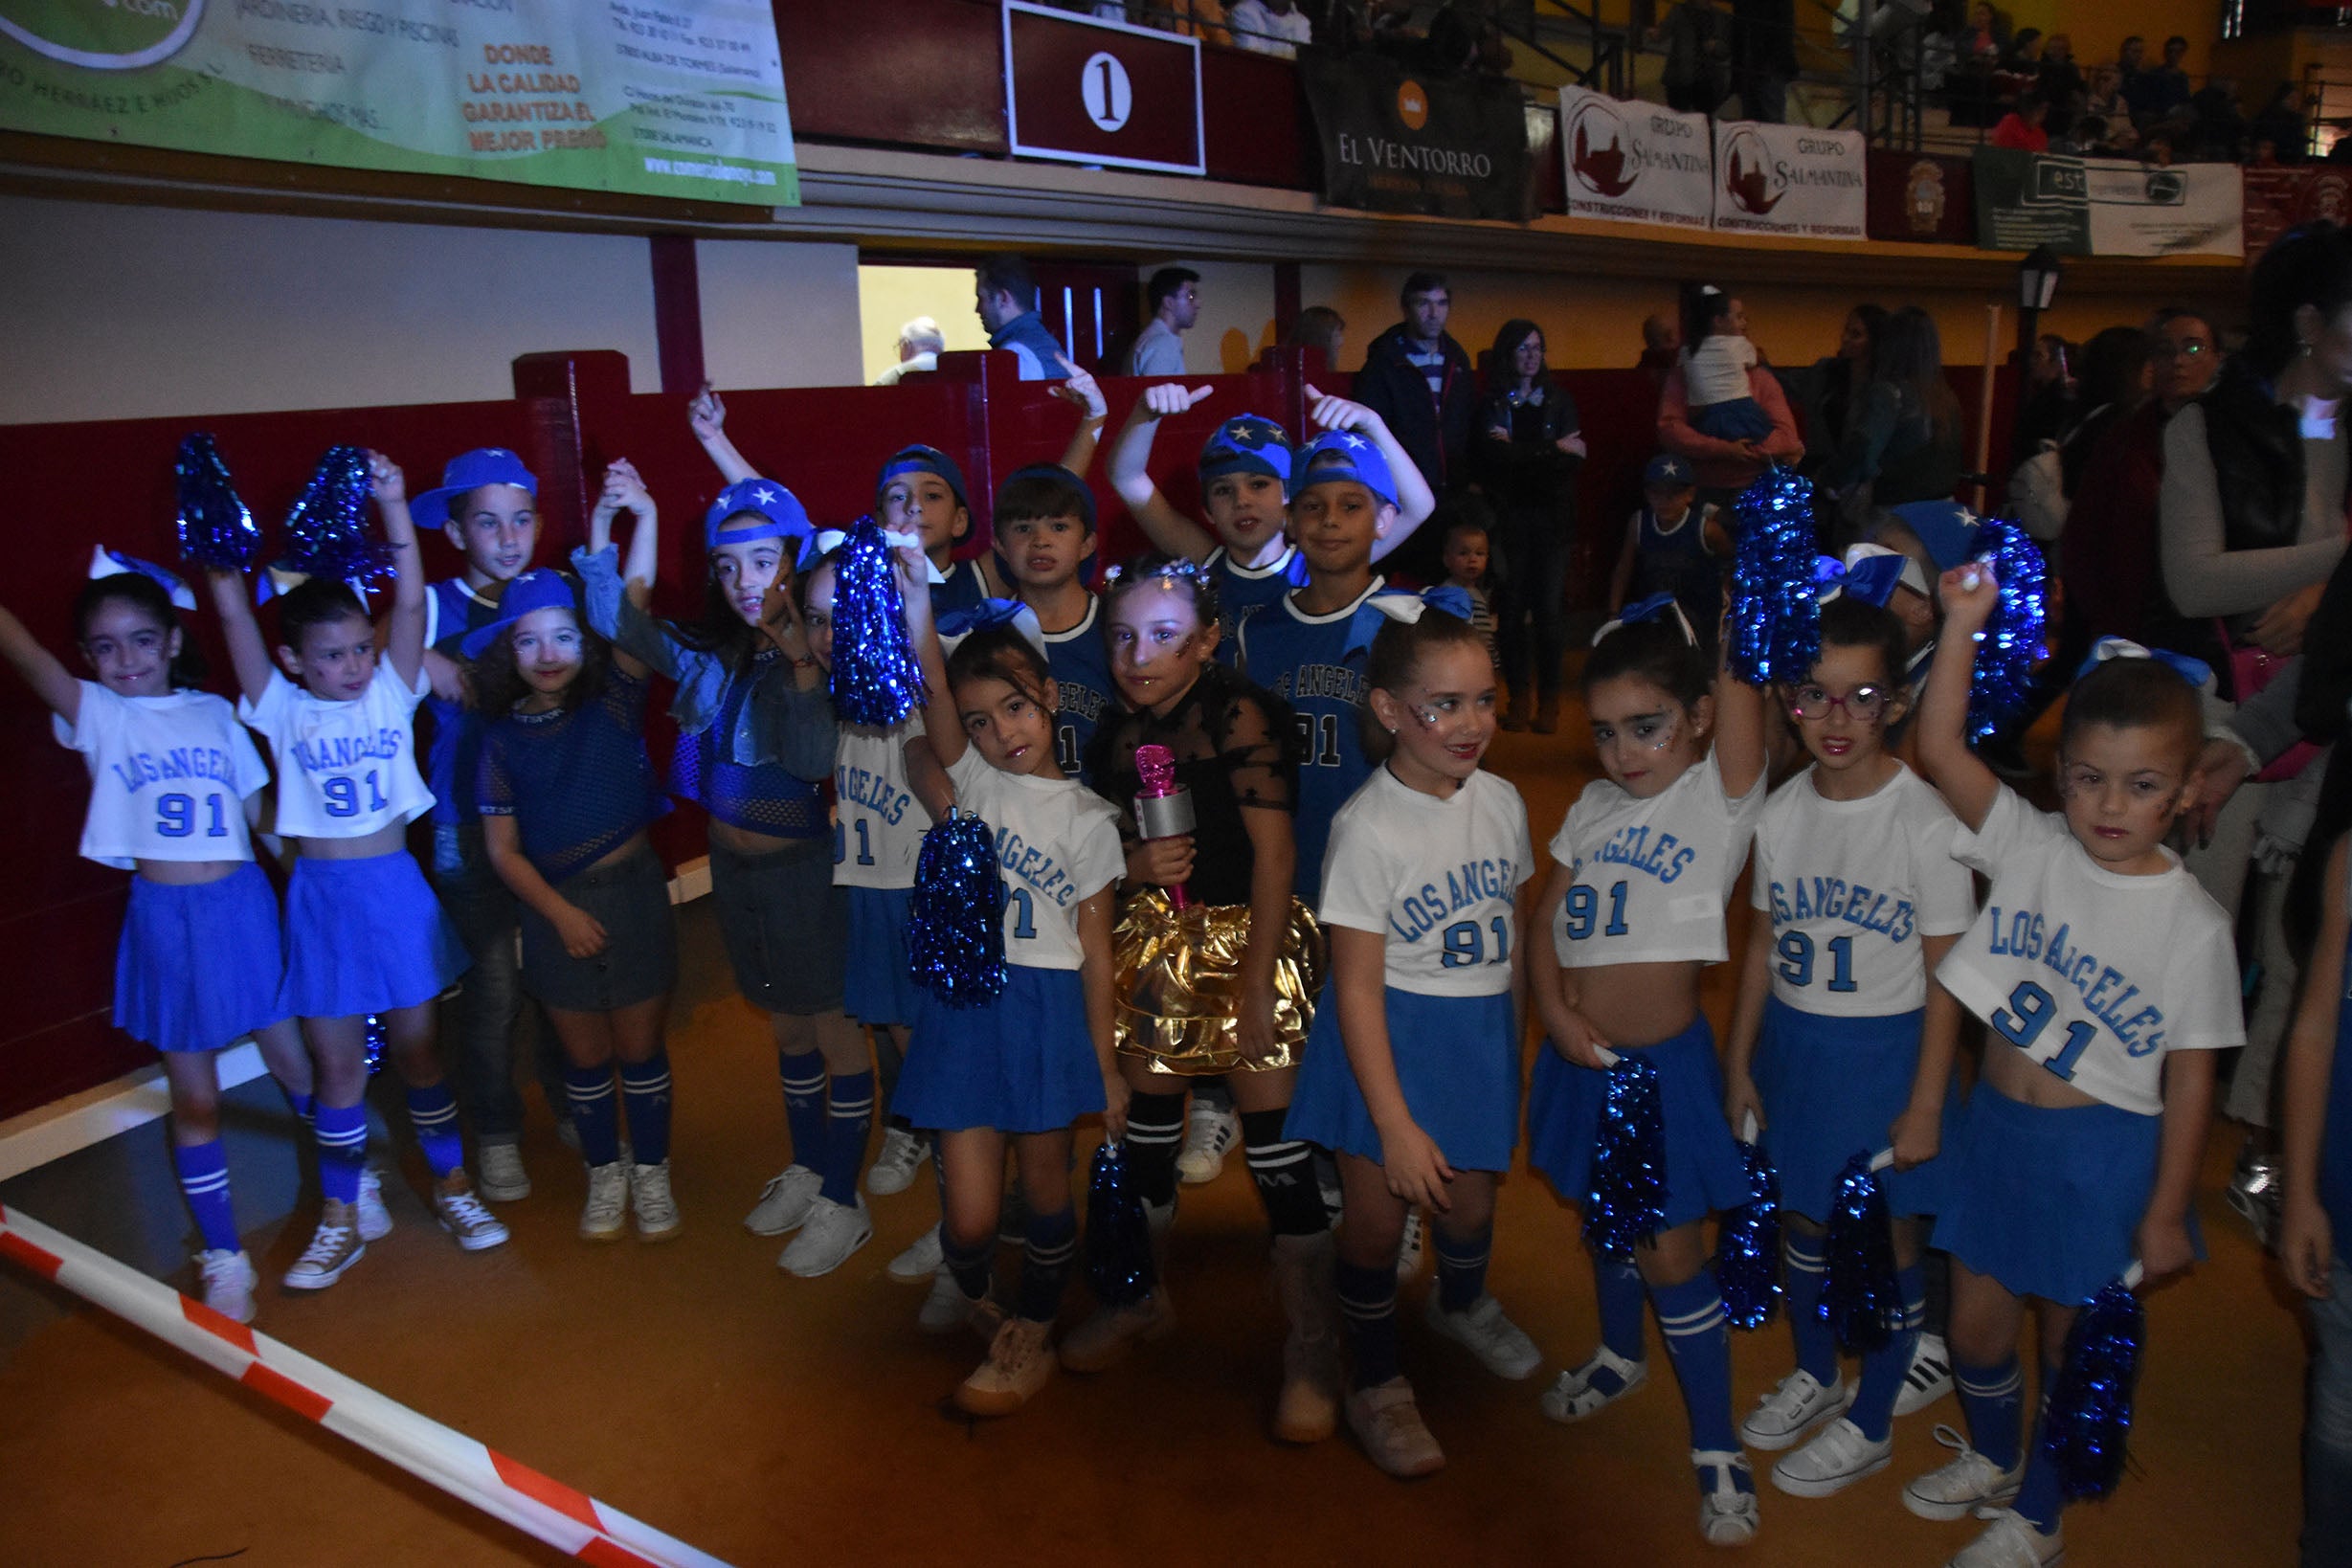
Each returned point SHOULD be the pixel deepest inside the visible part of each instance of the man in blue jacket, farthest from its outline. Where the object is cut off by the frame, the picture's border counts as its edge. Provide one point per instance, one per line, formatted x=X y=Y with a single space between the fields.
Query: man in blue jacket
x=1004 y=293
x=1419 y=380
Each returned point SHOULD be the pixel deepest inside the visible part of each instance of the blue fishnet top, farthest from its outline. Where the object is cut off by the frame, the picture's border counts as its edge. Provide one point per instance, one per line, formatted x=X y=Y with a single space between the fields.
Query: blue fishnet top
x=578 y=780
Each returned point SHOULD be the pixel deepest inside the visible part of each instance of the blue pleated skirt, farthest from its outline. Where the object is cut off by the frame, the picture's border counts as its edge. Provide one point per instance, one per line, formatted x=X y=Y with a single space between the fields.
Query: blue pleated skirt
x=1457 y=1060
x=1832 y=1087
x=365 y=936
x=1025 y=1065
x=1703 y=1168
x=199 y=965
x=879 y=986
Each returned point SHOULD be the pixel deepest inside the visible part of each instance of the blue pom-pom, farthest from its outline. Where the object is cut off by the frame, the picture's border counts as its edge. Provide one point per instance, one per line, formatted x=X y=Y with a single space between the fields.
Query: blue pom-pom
x=955 y=924
x=375 y=1049
x=1118 y=1233
x=1627 y=1201
x=2010 y=646
x=1748 y=1247
x=877 y=677
x=327 y=533
x=2088 y=1417
x=1859 y=1298
x=216 y=531
x=1775 y=617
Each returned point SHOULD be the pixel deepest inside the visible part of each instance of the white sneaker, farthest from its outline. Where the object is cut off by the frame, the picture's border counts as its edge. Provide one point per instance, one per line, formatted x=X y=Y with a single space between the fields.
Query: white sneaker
x=499 y=1166
x=832 y=1232
x=947 y=1308
x=1727 y=1513
x=1208 y=1133
x=334 y=1247
x=1837 y=1457
x=462 y=1214
x=784 y=1202
x=1578 y=1392
x=650 y=1202
x=919 y=1264
x=568 y=1133
x=1796 y=1407
x=1961 y=1487
x=2010 y=1542
x=375 y=1218
x=1930 y=1378
x=1409 y=1251
x=1500 y=1345
x=605 y=1215
x=228 y=1279
x=894 y=1169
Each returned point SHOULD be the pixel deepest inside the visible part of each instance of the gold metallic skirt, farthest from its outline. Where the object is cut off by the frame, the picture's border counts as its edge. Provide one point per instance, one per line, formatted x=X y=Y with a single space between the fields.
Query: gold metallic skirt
x=1177 y=976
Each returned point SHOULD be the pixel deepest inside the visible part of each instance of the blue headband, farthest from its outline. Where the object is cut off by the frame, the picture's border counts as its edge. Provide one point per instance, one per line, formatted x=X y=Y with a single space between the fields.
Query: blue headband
x=1361 y=460
x=1656 y=607
x=1872 y=577
x=113 y=563
x=546 y=588
x=784 y=516
x=2195 y=671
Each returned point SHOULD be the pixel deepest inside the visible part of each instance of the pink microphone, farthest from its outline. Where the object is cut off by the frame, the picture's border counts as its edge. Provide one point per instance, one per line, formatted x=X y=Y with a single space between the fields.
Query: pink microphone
x=1163 y=807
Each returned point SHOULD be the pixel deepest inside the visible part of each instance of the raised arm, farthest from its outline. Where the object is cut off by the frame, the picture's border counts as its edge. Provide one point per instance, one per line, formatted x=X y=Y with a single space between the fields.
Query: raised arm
x=708 y=416
x=1414 y=501
x=1078 y=387
x=624 y=491
x=405 y=643
x=1739 y=730
x=942 y=726
x=248 y=654
x=43 y=671
x=1968 y=786
x=1130 y=454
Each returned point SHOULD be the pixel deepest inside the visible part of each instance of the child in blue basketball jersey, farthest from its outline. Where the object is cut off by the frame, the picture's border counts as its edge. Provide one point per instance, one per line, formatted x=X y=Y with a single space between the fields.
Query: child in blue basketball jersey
x=1045 y=544
x=2107 y=979
x=364 y=932
x=1412 y=1068
x=754 y=747
x=1839 y=1045
x=1643 y=867
x=174 y=784
x=1025 y=1066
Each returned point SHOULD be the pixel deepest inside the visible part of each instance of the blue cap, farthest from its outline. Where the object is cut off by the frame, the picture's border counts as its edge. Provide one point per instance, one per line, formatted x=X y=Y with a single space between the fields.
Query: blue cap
x=545 y=589
x=1667 y=468
x=1248 y=444
x=1947 y=528
x=1358 y=458
x=1054 y=471
x=923 y=459
x=786 y=518
x=470 y=471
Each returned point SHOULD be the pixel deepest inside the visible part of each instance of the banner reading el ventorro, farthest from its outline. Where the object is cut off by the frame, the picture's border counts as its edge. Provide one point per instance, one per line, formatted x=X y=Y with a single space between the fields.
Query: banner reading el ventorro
x=665 y=98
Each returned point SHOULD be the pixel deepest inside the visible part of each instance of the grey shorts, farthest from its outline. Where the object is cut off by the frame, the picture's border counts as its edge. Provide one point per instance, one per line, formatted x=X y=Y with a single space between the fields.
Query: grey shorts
x=785 y=926
x=640 y=960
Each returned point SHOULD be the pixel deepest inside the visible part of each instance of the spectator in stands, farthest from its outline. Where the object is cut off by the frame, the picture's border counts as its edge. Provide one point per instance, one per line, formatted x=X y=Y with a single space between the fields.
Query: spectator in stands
x=1530 y=449
x=1764 y=57
x=1419 y=380
x=2220 y=124
x=1903 y=443
x=2021 y=128
x=1977 y=48
x=1320 y=326
x=2280 y=124
x=1725 y=468
x=2161 y=88
x=2060 y=82
x=1824 y=391
x=919 y=342
x=1270 y=26
x=2020 y=68
x=2106 y=102
x=1174 y=298
x=1696 y=36
x=1004 y=294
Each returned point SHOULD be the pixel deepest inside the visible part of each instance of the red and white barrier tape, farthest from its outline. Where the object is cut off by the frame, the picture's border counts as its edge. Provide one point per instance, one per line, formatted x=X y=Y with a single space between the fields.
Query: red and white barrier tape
x=505 y=1488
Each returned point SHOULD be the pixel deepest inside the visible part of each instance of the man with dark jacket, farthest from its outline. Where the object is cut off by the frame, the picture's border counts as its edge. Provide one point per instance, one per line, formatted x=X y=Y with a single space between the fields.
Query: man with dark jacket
x=1419 y=380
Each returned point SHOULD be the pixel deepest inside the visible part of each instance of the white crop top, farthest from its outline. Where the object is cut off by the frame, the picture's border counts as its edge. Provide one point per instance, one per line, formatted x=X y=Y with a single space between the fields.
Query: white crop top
x=345 y=769
x=1058 y=844
x=169 y=777
x=1652 y=877
x=878 y=824
x=1438 y=878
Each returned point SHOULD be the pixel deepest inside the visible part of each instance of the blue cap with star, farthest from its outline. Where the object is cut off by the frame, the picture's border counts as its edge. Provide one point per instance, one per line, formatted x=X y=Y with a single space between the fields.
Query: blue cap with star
x=781 y=514
x=1342 y=455
x=1248 y=444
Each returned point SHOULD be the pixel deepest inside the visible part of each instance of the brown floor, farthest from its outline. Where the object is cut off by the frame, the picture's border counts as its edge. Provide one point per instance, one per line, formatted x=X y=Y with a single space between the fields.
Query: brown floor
x=769 y=1419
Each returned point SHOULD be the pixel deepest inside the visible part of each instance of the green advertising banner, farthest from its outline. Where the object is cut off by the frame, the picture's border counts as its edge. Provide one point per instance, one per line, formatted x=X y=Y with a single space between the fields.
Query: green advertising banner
x=679 y=99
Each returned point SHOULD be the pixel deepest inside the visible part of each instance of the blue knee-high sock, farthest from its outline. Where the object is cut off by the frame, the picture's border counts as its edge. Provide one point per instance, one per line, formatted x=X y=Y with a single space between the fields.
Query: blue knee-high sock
x=204 y=1181
x=342 y=1132
x=594 y=1116
x=1052 y=1245
x=1618 y=1286
x=1462 y=1267
x=2039 y=1500
x=1993 y=1398
x=303 y=1106
x=804 y=1105
x=1809 y=1265
x=1367 y=1310
x=433 y=1110
x=1698 y=1341
x=972 y=1267
x=849 y=1119
x=1883 y=1369
x=645 y=1090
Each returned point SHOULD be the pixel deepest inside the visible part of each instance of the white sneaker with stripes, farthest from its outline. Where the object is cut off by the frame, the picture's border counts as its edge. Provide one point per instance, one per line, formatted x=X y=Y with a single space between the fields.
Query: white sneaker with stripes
x=1930 y=1378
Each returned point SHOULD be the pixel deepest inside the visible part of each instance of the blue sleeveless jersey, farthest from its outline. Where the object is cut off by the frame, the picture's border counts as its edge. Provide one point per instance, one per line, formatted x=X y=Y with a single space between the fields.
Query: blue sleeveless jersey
x=964 y=588
x=1316 y=665
x=1240 y=588
x=1081 y=674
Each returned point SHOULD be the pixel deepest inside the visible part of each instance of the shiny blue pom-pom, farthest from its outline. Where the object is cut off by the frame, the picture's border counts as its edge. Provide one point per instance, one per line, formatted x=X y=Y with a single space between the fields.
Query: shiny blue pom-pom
x=1775 y=617
x=877 y=677
x=327 y=533
x=2087 y=1420
x=1748 y=1247
x=1627 y=1201
x=1119 y=1263
x=956 y=922
x=217 y=531
x=2010 y=646
x=375 y=1048
x=1860 y=1299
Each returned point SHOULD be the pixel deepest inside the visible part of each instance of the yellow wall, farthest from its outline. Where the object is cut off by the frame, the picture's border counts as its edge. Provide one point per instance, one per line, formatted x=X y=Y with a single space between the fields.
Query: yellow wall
x=888 y=297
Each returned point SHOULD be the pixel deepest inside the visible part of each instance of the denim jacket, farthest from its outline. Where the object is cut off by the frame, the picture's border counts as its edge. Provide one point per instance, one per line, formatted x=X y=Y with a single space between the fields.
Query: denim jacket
x=783 y=722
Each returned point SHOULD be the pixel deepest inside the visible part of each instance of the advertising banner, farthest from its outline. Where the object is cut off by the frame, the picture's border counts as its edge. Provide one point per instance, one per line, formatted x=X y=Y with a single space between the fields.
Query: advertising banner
x=1920 y=197
x=1635 y=163
x=1790 y=180
x=683 y=98
x=2107 y=206
x=2278 y=198
x=1395 y=141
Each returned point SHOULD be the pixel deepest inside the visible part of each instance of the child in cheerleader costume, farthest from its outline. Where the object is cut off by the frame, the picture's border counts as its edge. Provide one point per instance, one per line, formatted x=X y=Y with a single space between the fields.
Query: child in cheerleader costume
x=2107 y=979
x=1839 y=1043
x=174 y=782
x=364 y=933
x=1643 y=867
x=567 y=794
x=1022 y=1068
x=1218 y=961
x=1412 y=1071
x=756 y=739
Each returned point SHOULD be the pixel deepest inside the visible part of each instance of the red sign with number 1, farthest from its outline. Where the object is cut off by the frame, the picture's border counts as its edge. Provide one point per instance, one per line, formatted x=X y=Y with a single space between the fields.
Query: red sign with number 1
x=1090 y=92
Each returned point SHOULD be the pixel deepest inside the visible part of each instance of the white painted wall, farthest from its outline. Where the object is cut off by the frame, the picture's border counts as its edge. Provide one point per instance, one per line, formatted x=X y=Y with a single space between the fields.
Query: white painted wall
x=780 y=314
x=1237 y=313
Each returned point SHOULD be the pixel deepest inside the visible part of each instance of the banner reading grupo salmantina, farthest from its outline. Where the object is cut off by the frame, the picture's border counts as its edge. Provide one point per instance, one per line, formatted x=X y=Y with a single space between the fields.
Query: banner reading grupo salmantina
x=684 y=98
x=1633 y=162
x=1791 y=180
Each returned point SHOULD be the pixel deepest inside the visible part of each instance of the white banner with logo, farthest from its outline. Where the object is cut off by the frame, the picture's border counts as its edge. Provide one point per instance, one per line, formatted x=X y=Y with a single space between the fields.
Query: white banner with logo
x=1634 y=162
x=1790 y=180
